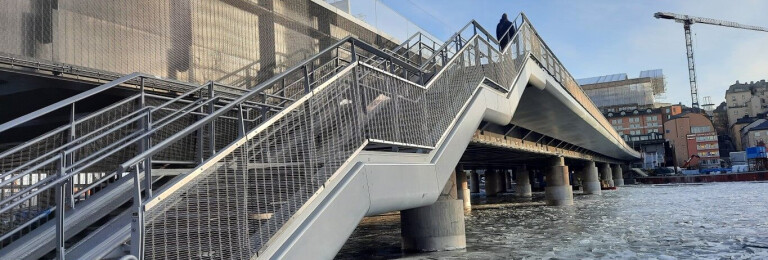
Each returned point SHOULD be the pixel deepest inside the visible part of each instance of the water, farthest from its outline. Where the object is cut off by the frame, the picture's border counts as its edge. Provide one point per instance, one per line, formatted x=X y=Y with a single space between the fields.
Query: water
x=709 y=221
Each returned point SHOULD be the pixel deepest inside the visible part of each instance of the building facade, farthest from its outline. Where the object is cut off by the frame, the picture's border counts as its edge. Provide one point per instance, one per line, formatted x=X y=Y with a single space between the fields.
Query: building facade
x=693 y=138
x=754 y=133
x=643 y=129
x=619 y=90
x=746 y=99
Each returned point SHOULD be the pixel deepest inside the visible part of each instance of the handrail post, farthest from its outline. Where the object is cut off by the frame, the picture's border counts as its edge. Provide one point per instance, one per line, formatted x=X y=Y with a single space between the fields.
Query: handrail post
x=265 y=109
x=212 y=125
x=137 y=219
x=307 y=87
x=69 y=159
x=60 y=206
x=145 y=145
x=240 y=121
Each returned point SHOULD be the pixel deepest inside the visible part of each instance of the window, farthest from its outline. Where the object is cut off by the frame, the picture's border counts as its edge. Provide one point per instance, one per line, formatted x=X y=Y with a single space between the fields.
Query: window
x=757 y=134
x=700 y=129
x=706 y=138
x=667 y=110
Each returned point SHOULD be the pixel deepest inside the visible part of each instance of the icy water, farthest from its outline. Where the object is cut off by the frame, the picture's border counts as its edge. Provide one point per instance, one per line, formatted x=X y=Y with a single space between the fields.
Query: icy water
x=709 y=221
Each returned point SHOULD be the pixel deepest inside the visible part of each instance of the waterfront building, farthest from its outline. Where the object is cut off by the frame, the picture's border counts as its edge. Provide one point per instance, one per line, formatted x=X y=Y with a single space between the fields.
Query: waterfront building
x=735 y=131
x=642 y=128
x=618 y=89
x=630 y=105
x=746 y=99
x=692 y=134
x=754 y=133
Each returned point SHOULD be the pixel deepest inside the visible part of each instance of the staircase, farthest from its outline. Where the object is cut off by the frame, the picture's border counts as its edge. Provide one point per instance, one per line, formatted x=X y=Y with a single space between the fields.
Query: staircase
x=226 y=173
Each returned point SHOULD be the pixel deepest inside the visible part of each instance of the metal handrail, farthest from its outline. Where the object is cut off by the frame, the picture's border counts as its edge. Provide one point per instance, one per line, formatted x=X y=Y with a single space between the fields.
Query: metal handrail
x=256 y=91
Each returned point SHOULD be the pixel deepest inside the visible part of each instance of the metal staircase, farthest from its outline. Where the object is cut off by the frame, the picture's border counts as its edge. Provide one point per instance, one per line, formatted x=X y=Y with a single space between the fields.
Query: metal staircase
x=220 y=172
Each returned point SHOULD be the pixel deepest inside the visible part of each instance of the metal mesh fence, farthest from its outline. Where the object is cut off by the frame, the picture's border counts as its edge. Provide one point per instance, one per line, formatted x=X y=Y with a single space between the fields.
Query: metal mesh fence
x=235 y=42
x=234 y=207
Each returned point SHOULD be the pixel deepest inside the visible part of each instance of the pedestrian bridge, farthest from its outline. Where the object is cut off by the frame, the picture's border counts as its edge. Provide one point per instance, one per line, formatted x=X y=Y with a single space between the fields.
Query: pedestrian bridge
x=288 y=168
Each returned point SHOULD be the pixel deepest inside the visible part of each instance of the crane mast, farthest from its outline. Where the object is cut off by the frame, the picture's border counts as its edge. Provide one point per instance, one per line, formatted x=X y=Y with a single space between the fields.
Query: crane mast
x=687 y=21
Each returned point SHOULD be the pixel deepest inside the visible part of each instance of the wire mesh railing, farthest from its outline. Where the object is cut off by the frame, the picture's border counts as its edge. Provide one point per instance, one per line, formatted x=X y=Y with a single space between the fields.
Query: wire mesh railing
x=261 y=154
x=251 y=188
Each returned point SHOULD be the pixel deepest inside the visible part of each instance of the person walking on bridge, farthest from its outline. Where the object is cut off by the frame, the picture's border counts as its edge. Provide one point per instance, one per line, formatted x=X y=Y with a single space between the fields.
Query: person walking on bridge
x=504 y=31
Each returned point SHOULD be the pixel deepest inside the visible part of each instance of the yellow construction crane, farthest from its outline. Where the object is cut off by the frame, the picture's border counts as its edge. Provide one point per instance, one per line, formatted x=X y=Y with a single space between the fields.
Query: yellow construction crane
x=687 y=21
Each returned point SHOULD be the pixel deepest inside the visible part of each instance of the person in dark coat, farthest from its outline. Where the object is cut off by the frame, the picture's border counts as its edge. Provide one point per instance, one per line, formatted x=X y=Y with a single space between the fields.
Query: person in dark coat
x=504 y=26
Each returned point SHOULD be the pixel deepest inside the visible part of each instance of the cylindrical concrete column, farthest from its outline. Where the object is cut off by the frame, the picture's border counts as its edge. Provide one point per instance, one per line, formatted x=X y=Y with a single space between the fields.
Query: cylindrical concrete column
x=523 y=182
x=606 y=174
x=474 y=182
x=491 y=183
x=618 y=175
x=506 y=180
x=463 y=192
x=437 y=227
x=558 y=191
x=502 y=183
x=590 y=180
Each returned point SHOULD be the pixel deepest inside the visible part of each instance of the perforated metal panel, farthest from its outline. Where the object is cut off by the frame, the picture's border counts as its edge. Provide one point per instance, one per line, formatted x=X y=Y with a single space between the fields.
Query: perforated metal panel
x=234 y=42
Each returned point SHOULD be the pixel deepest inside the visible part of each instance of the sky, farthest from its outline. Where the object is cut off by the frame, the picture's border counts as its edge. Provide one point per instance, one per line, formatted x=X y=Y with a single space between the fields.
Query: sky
x=601 y=37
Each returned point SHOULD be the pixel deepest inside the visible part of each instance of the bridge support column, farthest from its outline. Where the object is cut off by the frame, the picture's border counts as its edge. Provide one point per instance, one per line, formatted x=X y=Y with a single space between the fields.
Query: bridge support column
x=558 y=191
x=491 y=183
x=590 y=180
x=437 y=227
x=618 y=175
x=523 y=182
x=463 y=190
x=506 y=182
x=474 y=182
x=606 y=174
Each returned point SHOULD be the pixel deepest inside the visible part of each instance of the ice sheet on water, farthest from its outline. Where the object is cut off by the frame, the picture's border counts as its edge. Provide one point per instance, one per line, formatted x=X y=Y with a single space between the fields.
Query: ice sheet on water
x=711 y=221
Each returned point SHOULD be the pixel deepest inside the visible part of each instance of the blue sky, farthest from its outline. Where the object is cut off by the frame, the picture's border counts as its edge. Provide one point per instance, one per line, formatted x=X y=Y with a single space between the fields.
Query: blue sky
x=601 y=37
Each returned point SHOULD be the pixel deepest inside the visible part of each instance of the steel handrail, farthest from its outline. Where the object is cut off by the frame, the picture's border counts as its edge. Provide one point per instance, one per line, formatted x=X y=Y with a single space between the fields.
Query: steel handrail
x=256 y=91
x=79 y=97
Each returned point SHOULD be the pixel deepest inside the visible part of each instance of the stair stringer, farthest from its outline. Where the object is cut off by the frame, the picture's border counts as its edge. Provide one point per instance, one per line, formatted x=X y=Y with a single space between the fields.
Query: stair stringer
x=372 y=183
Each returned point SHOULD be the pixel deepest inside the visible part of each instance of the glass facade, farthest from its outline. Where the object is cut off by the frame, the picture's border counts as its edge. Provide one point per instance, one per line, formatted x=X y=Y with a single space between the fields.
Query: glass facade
x=636 y=93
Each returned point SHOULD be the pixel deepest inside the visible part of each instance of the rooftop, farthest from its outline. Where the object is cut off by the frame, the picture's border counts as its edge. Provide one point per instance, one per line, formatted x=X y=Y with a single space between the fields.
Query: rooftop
x=761 y=126
x=657 y=73
x=744 y=87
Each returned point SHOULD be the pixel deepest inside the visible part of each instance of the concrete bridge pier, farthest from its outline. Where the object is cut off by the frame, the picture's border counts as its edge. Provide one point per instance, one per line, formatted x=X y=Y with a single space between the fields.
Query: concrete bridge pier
x=523 y=182
x=474 y=181
x=606 y=174
x=558 y=191
x=491 y=182
x=437 y=227
x=590 y=180
x=463 y=189
x=503 y=180
x=618 y=175
x=507 y=180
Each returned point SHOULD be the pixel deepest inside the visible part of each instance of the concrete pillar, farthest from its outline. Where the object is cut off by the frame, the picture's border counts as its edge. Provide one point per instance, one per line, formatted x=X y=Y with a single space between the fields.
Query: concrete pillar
x=618 y=176
x=606 y=174
x=505 y=175
x=558 y=191
x=463 y=189
x=437 y=227
x=474 y=182
x=590 y=181
x=523 y=182
x=491 y=183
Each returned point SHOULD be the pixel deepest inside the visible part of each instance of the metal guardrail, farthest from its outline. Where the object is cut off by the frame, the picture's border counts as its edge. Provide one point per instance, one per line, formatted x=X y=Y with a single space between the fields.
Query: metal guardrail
x=265 y=175
x=294 y=130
